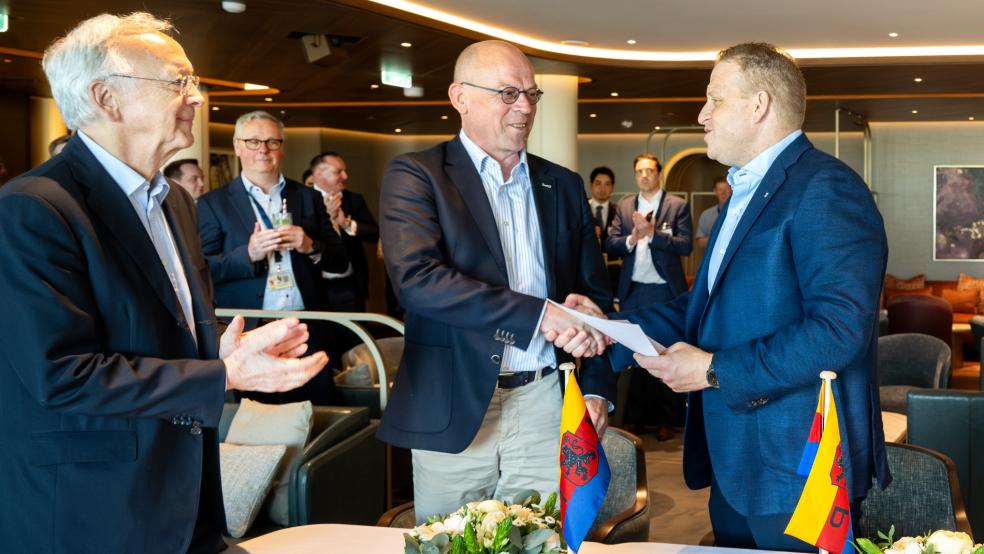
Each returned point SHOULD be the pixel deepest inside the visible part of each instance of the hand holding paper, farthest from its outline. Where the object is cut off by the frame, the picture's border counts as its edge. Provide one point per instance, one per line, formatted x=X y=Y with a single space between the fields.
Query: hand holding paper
x=628 y=334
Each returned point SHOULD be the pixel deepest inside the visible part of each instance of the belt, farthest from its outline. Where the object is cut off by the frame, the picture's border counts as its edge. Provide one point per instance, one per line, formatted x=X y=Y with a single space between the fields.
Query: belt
x=518 y=379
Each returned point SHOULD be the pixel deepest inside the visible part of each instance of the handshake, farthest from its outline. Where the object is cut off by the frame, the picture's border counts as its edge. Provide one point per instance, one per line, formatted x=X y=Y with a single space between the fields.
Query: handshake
x=569 y=333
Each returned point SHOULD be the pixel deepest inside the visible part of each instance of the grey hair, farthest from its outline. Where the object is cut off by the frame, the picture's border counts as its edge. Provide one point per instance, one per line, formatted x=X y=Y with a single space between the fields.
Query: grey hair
x=91 y=52
x=253 y=116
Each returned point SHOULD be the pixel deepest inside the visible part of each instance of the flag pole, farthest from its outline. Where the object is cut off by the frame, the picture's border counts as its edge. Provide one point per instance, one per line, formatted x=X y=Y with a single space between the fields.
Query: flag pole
x=827 y=377
x=567 y=368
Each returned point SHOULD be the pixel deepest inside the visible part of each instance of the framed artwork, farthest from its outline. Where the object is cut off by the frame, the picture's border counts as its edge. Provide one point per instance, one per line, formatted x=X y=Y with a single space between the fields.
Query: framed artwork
x=223 y=166
x=958 y=213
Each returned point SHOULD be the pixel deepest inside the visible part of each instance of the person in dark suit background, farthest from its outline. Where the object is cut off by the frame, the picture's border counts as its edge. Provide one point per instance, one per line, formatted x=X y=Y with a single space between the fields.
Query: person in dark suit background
x=255 y=261
x=111 y=386
x=603 y=210
x=651 y=230
x=476 y=234
x=790 y=287
x=349 y=289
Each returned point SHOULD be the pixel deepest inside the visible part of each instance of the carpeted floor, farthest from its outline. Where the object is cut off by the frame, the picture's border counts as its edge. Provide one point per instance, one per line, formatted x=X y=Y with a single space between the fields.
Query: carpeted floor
x=678 y=514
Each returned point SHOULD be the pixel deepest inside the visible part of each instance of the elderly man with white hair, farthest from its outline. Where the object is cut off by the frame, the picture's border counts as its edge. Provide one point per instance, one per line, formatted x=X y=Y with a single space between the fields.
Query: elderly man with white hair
x=111 y=390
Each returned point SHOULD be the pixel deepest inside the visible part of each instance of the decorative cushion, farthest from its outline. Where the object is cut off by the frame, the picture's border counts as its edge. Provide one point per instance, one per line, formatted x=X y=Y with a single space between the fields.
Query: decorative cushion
x=967 y=282
x=890 y=294
x=964 y=301
x=256 y=423
x=247 y=474
x=391 y=350
x=912 y=283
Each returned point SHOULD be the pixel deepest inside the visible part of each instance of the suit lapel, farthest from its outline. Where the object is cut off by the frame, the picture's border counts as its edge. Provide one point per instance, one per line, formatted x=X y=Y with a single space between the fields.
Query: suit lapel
x=545 y=197
x=114 y=210
x=242 y=204
x=771 y=182
x=465 y=177
x=180 y=230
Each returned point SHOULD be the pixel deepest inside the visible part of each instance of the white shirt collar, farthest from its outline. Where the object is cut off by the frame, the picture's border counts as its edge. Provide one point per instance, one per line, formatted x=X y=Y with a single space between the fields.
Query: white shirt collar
x=479 y=157
x=125 y=176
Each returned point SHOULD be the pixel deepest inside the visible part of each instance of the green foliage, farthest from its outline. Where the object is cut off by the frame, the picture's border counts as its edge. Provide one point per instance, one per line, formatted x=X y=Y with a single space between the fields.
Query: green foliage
x=412 y=546
x=548 y=508
x=458 y=545
x=526 y=498
x=471 y=539
x=865 y=546
x=501 y=538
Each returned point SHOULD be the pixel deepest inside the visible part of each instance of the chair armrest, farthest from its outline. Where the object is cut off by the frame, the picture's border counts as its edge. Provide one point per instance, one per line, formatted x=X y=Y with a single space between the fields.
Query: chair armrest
x=346 y=483
x=330 y=425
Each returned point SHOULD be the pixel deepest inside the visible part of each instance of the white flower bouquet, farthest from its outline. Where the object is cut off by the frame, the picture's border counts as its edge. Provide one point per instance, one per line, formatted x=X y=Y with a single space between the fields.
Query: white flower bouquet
x=937 y=542
x=491 y=527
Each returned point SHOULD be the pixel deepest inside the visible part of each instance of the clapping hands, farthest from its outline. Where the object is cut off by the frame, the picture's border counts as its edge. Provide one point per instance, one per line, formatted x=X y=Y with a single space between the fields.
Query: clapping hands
x=268 y=359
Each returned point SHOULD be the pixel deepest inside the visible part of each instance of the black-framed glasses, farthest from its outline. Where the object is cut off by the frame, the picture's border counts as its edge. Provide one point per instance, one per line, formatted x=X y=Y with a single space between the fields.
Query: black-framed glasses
x=510 y=95
x=271 y=144
x=184 y=83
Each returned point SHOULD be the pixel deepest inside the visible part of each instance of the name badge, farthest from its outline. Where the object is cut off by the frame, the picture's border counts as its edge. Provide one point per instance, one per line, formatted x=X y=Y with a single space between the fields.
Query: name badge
x=279 y=280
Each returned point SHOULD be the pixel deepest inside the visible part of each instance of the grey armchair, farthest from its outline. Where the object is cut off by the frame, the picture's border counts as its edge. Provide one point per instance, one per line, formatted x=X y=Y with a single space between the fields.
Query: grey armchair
x=340 y=475
x=909 y=361
x=924 y=495
x=950 y=422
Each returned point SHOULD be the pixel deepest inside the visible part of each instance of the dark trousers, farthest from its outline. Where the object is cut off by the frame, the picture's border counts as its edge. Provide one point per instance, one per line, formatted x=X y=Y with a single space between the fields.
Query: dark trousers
x=650 y=401
x=734 y=530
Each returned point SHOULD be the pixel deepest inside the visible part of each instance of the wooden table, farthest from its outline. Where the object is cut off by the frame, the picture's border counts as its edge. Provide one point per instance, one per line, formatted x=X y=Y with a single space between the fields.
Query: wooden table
x=957 y=345
x=332 y=538
x=895 y=426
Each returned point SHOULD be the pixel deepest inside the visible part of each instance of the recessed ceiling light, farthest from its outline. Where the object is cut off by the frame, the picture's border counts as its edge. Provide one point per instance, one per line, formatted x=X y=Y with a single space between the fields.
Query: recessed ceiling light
x=406 y=44
x=893 y=35
x=283 y=112
x=971 y=118
x=444 y=117
x=572 y=42
x=670 y=113
x=7 y=60
x=592 y=115
x=374 y=86
x=918 y=79
x=614 y=93
x=254 y=86
x=397 y=130
x=915 y=111
x=631 y=41
x=215 y=108
x=268 y=99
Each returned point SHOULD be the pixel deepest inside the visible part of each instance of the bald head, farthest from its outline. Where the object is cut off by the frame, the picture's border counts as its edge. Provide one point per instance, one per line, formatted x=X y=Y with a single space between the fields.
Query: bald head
x=475 y=60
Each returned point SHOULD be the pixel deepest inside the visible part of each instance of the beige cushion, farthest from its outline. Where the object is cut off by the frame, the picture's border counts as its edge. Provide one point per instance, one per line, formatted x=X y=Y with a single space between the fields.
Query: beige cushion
x=968 y=282
x=247 y=474
x=357 y=376
x=289 y=424
x=390 y=349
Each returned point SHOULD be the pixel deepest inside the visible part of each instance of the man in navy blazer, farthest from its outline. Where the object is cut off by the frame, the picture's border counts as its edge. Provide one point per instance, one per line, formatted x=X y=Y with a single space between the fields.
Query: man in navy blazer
x=111 y=393
x=789 y=288
x=476 y=234
x=256 y=263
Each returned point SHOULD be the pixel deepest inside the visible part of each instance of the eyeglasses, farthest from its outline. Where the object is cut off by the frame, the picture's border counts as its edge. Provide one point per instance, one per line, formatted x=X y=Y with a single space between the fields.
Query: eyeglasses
x=271 y=144
x=510 y=95
x=184 y=83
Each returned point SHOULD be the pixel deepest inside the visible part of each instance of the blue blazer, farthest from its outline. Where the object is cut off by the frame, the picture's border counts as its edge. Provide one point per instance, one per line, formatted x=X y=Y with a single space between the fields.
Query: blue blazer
x=226 y=219
x=108 y=405
x=442 y=250
x=797 y=293
x=664 y=250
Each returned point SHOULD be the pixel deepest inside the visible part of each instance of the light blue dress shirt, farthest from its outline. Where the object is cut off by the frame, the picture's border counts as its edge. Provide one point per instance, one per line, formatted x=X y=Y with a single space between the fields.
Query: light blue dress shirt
x=147 y=198
x=744 y=182
x=519 y=232
x=274 y=299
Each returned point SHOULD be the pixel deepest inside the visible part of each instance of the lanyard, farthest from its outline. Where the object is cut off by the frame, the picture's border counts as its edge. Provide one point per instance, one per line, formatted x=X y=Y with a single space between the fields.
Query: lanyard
x=265 y=219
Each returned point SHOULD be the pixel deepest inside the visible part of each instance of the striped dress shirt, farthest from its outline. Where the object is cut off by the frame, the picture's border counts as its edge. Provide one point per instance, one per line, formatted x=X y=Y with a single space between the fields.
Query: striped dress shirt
x=516 y=218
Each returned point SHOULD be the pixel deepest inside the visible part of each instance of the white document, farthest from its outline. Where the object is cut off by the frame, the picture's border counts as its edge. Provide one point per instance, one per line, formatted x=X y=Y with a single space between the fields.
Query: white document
x=627 y=334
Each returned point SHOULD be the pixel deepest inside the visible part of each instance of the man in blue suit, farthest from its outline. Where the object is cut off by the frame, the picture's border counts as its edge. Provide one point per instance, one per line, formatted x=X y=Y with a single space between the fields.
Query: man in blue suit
x=477 y=233
x=789 y=288
x=256 y=262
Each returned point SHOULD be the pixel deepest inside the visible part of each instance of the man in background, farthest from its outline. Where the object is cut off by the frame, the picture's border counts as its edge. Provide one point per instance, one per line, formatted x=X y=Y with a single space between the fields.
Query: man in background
x=603 y=211
x=722 y=190
x=348 y=210
x=187 y=175
x=651 y=231
x=257 y=259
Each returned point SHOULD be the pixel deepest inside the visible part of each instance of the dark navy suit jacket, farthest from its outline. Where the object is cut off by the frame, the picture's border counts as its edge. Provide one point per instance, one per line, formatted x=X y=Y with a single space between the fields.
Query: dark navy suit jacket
x=797 y=293
x=665 y=250
x=226 y=219
x=108 y=407
x=444 y=257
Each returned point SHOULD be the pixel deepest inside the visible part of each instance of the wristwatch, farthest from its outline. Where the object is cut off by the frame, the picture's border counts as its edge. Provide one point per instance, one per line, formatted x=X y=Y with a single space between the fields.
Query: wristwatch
x=712 y=378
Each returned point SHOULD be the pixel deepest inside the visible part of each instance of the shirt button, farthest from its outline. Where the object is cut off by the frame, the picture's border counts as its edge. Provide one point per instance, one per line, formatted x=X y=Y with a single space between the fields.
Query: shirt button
x=495 y=358
x=721 y=251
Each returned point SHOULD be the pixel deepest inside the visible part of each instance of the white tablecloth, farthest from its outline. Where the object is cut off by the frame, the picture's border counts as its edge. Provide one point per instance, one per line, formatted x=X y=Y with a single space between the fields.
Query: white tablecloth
x=344 y=539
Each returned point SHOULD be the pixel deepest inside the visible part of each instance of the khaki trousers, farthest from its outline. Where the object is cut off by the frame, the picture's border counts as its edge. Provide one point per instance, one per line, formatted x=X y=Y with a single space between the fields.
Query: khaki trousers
x=517 y=448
